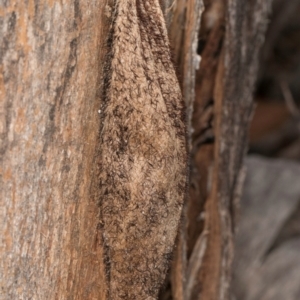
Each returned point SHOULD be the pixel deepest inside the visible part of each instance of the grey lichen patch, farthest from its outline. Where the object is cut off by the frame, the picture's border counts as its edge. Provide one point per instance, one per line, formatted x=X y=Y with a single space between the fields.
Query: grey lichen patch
x=143 y=152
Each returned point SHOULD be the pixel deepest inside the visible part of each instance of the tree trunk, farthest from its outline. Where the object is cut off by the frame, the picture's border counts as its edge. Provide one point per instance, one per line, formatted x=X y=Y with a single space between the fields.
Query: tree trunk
x=51 y=55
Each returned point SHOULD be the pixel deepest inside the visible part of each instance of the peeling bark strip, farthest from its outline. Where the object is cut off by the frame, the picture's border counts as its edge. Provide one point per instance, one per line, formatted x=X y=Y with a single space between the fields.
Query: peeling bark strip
x=144 y=159
x=245 y=26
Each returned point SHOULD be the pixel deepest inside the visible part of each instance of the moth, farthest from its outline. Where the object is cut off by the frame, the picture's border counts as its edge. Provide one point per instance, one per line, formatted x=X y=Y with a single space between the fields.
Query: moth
x=143 y=175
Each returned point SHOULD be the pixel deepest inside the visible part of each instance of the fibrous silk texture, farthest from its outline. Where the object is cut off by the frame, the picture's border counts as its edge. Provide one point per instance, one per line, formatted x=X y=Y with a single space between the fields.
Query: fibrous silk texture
x=143 y=152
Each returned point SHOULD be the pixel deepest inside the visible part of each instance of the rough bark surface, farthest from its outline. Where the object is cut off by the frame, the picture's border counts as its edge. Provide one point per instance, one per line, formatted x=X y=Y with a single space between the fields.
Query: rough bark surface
x=231 y=34
x=245 y=25
x=50 y=58
x=183 y=32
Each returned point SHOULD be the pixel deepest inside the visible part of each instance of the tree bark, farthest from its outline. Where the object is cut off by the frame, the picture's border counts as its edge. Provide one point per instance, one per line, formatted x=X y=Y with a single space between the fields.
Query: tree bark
x=230 y=37
x=51 y=58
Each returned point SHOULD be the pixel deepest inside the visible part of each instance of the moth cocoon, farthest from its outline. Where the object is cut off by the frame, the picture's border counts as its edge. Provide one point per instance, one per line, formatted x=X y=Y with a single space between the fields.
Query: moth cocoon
x=143 y=152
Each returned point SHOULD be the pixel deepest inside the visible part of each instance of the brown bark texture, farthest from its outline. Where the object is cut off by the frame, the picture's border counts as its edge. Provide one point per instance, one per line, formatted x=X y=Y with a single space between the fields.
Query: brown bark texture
x=50 y=56
x=230 y=37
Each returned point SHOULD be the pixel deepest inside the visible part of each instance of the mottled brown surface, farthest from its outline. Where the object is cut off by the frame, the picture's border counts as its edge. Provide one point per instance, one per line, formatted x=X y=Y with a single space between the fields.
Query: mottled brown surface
x=231 y=34
x=245 y=25
x=143 y=153
x=185 y=22
x=50 y=53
